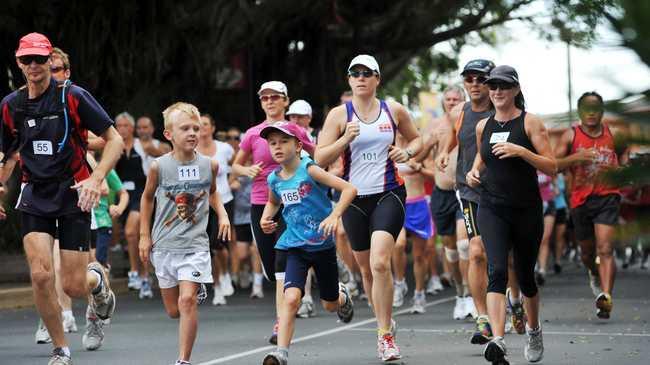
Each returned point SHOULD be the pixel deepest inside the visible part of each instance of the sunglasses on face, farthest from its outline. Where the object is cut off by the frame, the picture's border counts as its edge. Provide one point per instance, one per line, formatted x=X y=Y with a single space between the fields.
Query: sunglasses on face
x=364 y=73
x=57 y=69
x=27 y=60
x=475 y=79
x=271 y=97
x=500 y=85
x=232 y=138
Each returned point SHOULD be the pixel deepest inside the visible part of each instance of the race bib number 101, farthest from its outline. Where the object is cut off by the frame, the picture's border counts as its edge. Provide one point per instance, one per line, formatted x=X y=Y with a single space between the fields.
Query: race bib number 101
x=188 y=173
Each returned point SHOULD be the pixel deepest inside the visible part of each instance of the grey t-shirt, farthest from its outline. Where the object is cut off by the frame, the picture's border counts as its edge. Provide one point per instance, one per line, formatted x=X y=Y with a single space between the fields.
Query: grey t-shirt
x=243 y=201
x=467 y=150
x=182 y=203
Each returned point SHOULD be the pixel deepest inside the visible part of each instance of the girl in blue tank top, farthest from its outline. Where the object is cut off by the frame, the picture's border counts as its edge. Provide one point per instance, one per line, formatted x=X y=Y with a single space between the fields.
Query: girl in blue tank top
x=301 y=187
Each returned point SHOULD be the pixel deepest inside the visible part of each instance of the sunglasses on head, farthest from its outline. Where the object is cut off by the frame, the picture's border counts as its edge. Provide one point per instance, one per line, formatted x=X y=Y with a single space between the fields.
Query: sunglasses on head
x=364 y=73
x=500 y=85
x=475 y=78
x=57 y=69
x=28 y=59
x=271 y=97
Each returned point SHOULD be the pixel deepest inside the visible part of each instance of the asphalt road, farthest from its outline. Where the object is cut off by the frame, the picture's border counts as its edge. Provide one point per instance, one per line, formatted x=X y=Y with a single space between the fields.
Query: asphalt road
x=141 y=333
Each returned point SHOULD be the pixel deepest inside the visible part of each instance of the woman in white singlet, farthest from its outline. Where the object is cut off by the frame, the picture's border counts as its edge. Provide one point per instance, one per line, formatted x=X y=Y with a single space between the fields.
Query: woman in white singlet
x=363 y=132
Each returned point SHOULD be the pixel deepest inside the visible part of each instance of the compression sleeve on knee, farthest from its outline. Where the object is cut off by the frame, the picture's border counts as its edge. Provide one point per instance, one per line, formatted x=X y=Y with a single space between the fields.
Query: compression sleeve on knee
x=463 y=249
x=452 y=255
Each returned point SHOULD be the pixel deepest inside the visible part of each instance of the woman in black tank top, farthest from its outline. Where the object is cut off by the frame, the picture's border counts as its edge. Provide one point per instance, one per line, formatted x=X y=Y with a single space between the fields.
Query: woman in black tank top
x=512 y=145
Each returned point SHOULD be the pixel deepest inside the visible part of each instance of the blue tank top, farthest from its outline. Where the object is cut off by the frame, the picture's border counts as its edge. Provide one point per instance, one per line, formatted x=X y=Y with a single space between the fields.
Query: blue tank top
x=306 y=205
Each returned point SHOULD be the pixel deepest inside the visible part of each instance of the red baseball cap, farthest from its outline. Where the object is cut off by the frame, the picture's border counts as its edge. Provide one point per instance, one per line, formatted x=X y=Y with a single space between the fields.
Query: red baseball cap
x=34 y=44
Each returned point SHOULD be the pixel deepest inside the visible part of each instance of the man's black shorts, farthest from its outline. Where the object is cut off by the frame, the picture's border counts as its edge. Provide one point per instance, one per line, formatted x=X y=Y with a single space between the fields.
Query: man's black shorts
x=73 y=229
x=595 y=210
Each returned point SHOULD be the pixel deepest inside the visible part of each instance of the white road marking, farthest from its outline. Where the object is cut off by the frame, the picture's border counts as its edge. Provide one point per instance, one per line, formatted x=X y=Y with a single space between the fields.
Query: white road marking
x=558 y=333
x=316 y=335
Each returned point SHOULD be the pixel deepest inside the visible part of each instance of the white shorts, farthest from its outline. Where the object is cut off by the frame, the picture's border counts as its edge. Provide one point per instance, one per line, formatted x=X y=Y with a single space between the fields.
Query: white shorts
x=174 y=267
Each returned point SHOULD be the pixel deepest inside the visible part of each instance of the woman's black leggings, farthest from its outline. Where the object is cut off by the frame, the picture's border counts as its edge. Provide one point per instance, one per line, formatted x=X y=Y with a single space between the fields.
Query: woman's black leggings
x=504 y=228
x=273 y=261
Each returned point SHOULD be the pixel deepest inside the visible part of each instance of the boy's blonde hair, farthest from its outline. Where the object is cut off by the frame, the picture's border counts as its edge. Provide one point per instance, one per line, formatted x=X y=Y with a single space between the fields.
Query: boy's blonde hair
x=171 y=114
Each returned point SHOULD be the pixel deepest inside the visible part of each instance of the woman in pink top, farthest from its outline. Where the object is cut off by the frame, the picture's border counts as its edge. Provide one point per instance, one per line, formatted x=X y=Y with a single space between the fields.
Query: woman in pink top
x=254 y=149
x=547 y=191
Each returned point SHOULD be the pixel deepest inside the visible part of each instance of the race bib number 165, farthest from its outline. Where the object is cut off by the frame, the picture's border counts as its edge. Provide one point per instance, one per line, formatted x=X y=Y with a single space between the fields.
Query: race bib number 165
x=290 y=197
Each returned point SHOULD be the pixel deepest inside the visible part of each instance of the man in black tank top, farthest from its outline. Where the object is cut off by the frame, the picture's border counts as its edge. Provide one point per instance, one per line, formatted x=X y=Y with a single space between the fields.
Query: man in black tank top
x=512 y=145
x=464 y=118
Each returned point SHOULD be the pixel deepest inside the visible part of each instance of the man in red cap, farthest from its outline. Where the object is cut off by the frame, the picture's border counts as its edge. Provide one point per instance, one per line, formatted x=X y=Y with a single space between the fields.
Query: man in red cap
x=47 y=122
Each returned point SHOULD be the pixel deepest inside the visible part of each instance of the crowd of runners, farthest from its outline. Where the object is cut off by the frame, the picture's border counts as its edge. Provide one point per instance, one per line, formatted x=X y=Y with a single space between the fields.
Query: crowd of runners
x=339 y=209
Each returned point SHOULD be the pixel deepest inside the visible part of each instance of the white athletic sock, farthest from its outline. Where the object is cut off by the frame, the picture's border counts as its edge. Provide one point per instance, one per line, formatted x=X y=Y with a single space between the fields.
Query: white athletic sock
x=258 y=279
x=400 y=282
x=99 y=281
x=514 y=301
x=307 y=298
x=227 y=276
x=67 y=313
x=66 y=350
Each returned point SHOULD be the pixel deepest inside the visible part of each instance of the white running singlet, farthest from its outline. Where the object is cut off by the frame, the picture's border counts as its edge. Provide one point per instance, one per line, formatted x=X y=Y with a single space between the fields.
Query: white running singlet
x=365 y=161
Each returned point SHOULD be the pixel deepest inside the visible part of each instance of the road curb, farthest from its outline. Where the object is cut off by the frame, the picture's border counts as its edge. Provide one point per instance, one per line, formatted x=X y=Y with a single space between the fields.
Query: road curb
x=22 y=297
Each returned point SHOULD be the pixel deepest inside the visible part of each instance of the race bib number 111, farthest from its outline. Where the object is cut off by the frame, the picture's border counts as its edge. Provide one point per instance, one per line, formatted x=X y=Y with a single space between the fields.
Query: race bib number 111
x=188 y=173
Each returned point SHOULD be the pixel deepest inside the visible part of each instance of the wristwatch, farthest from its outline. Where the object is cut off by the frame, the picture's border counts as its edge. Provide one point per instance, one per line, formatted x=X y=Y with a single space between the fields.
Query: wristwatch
x=408 y=152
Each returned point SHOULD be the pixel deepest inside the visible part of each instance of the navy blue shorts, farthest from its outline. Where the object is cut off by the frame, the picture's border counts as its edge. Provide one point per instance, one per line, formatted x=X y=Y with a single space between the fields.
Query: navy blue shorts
x=324 y=263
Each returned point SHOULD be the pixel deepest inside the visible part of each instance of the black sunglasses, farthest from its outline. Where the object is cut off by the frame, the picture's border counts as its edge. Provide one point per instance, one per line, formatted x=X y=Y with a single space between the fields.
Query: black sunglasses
x=232 y=138
x=478 y=79
x=27 y=60
x=364 y=73
x=500 y=85
x=57 y=69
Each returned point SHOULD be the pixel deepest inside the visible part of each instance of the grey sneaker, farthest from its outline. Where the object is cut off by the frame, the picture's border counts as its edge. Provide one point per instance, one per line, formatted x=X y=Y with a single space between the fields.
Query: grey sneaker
x=69 y=323
x=102 y=303
x=201 y=294
x=59 y=358
x=94 y=335
x=534 y=350
x=145 y=290
x=275 y=358
x=42 y=335
x=345 y=311
x=306 y=309
x=496 y=352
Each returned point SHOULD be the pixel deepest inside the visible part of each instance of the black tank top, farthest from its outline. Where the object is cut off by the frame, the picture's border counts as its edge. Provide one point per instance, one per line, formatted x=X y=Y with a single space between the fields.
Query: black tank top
x=509 y=181
x=129 y=169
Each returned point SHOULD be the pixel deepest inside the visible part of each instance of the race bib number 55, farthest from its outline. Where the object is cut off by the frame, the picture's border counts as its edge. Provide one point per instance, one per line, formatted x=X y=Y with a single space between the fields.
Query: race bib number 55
x=42 y=147
x=290 y=196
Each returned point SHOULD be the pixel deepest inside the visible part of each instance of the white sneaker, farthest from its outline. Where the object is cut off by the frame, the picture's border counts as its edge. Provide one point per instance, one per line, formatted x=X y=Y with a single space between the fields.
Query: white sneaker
x=459 y=309
x=257 y=292
x=226 y=286
x=93 y=337
x=135 y=282
x=219 y=298
x=245 y=280
x=434 y=286
x=398 y=294
x=306 y=309
x=42 y=335
x=145 y=289
x=69 y=323
x=534 y=349
x=419 y=301
x=470 y=308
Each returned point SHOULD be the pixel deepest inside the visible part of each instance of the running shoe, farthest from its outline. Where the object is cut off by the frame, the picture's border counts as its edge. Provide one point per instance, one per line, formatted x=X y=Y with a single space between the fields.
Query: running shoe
x=245 y=280
x=603 y=305
x=459 y=309
x=135 y=282
x=274 y=335
x=145 y=289
x=93 y=338
x=386 y=348
x=540 y=278
x=534 y=349
x=557 y=268
x=59 y=357
x=219 y=298
x=102 y=302
x=470 y=308
x=483 y=332
x=419 y=301
x=517 y=314
x=201 y=294
x=306 y=309
x=345 y=311
x=446 y=280
x=496 y=352
x=69 y=322
x=42 y=335
x=182 y=362
x=275 y=358
x=353 y=287
x=257 y=292
x=344 y=274
x=399 y=291
x=594 y=282
x=226 y=286
x=434 y=286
